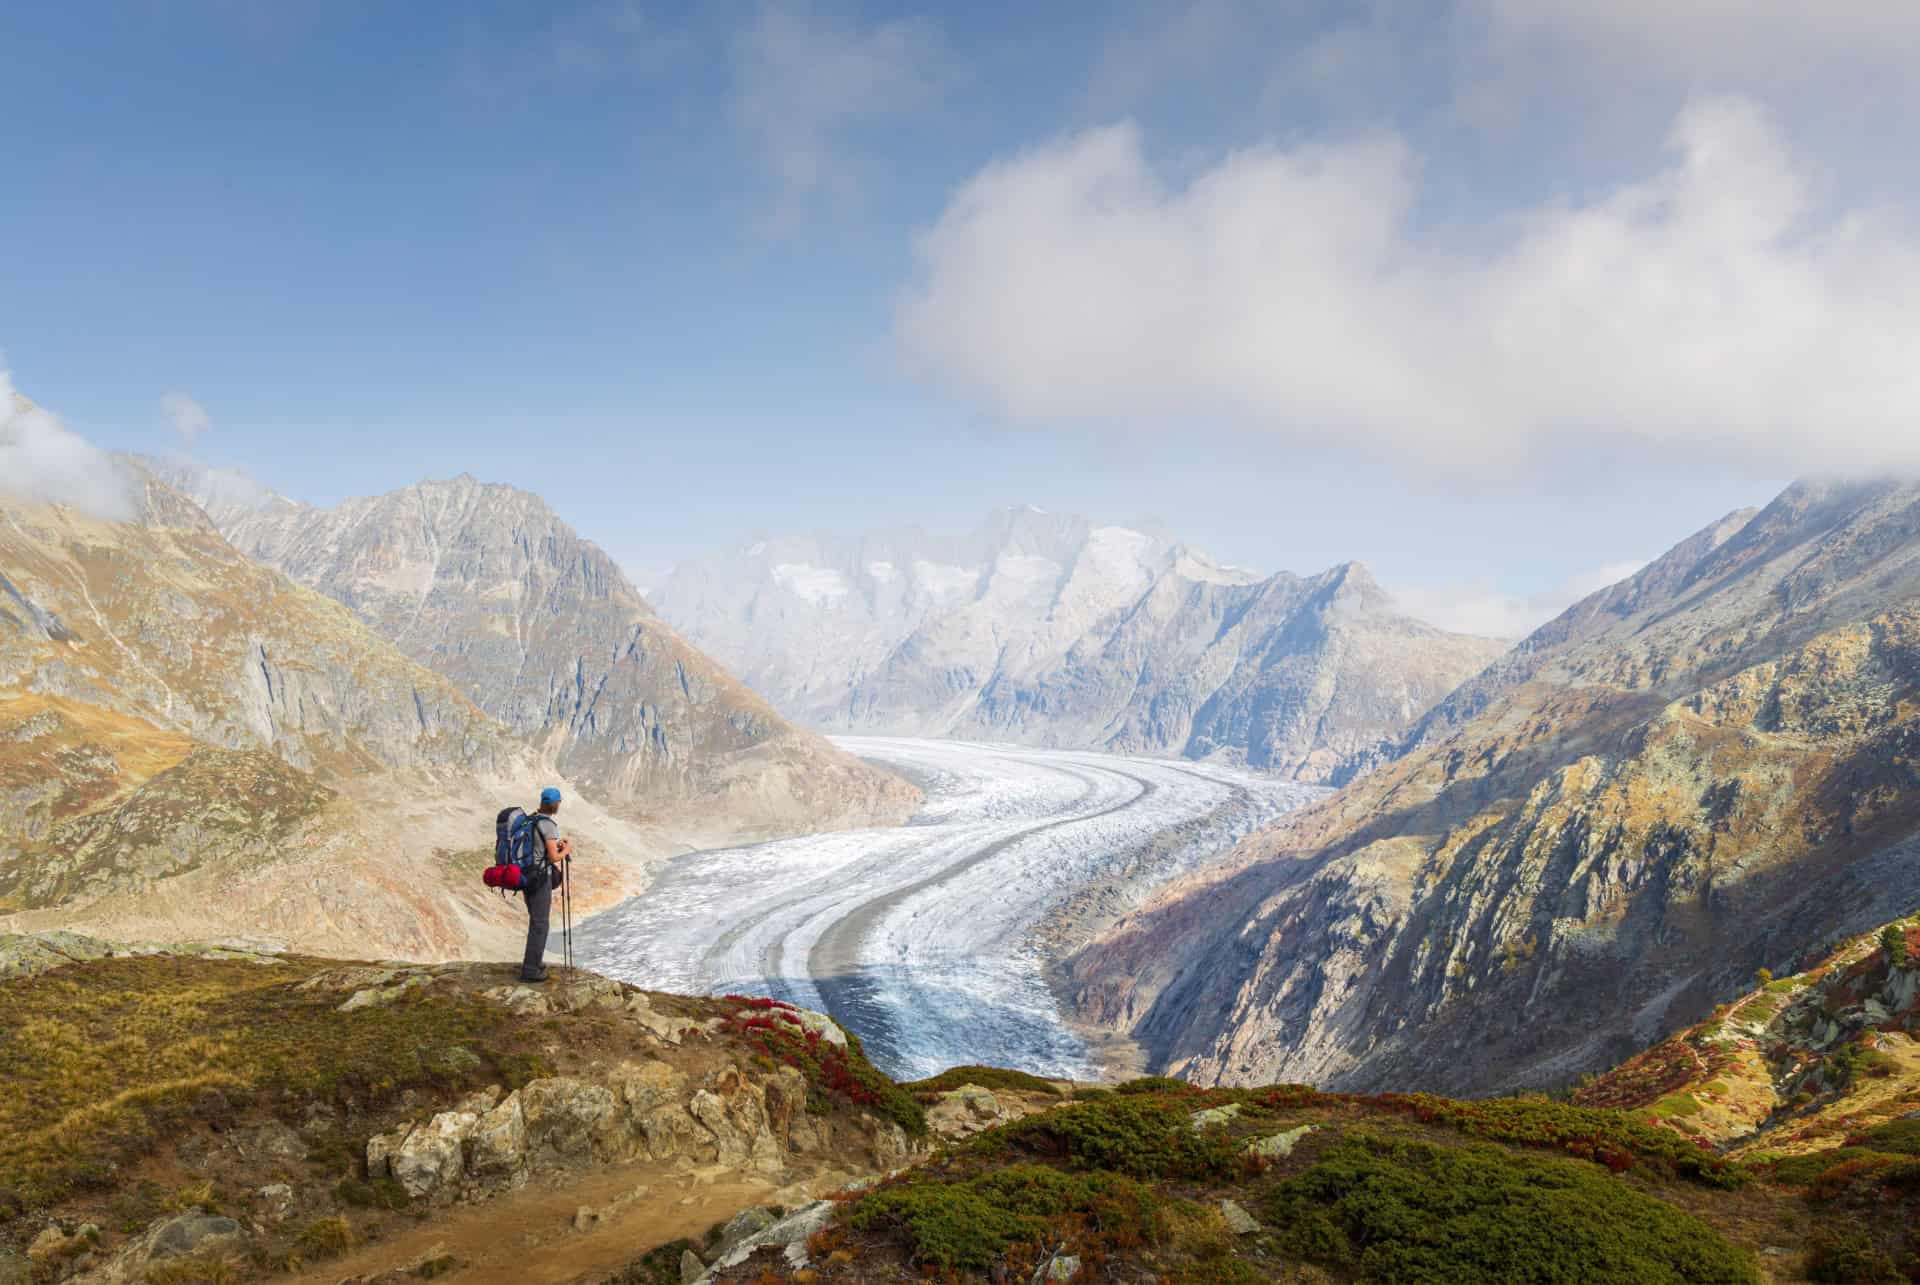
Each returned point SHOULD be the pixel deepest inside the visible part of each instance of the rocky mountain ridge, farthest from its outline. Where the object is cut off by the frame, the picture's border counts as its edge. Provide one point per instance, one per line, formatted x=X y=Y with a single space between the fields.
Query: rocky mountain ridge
x=1685 y=777
x=484 y=584
x=190 y=742
x=1049 y=630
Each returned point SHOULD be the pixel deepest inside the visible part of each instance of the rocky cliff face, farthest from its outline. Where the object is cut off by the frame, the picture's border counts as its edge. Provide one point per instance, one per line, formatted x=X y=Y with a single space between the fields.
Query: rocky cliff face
x=1687 y=776
x=485 y=585
x=1047 y=630
x=192 y=744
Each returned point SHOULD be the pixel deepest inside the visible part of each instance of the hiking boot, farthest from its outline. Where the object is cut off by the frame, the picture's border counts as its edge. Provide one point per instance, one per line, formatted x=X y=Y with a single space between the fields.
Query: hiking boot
x=534 y=979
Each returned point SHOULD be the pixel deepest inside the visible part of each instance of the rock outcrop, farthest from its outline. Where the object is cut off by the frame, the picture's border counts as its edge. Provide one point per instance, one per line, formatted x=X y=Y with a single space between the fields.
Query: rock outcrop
x=1048 y=630
x=1687 y=776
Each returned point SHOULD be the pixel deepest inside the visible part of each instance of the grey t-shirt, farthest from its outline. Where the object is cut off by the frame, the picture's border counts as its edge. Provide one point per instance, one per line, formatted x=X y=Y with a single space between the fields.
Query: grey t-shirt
x=544 y=828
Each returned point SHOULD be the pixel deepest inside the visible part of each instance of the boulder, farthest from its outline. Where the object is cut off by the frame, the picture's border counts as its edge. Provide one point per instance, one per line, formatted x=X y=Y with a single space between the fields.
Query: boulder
x=670 y=1132
x=380 y=1149
x=1239 y=1221
x=789 y=1235
x=828 y=1029
x=691 y=1268
x=1214 y=1118
x=274 y=1141
x=432 y=1159
x=570 y=1122
x=743 y=1226
x=274 y=1202
x=521 y=1001
x=965 y=1111
x=1064 y=1267
x=195 y=1233
x=497 y=1145
x=1279 y=1146
x=642 y=1089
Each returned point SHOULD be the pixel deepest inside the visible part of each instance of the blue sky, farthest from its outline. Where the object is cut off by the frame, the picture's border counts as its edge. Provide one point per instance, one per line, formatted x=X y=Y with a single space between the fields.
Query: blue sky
x=1492 y=295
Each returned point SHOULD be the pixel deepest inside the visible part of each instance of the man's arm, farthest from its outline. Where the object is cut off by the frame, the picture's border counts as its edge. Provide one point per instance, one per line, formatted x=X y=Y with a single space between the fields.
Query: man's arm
x=558 y=849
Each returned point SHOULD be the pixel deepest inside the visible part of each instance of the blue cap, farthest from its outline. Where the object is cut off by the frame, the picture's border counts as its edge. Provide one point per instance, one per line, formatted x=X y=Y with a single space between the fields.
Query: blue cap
x=549 y=795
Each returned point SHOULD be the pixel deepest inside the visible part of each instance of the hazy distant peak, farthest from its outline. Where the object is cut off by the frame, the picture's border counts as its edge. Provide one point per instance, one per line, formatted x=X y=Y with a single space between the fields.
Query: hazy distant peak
x=224 y=493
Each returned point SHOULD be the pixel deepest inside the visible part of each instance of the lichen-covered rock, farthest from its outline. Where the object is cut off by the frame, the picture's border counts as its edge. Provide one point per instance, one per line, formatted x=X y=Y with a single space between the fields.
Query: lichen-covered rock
x=195 y=1233
x=691 y=1268
x=1065 y=1267
x=570 y=1122
x=1214 y=1117
x=497 y=1146
x=789 y=1235
x=432 y=1159
x=274 y=1202
x=1278 y=1146
x=1239 y=1221
x=965 y=1111
x=645 y=1087
x=743 y=1226
x=828 y=1029
x=671 y=1132
x=380 y=1149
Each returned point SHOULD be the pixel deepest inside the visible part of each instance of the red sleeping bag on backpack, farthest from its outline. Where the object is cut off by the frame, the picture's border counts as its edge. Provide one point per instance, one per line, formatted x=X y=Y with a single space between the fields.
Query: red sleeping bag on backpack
x=503 y=877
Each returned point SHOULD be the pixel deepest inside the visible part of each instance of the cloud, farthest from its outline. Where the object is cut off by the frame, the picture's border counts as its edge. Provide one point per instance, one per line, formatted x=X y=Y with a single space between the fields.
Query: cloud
x=806 y=84
x=1479 y=609
x=41 y=460
x=1706 y=307
x=188 y=417
x=1745 y=37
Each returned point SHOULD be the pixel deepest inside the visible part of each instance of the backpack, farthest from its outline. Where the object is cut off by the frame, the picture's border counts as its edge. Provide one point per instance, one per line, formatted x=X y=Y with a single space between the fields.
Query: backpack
x=519 y=859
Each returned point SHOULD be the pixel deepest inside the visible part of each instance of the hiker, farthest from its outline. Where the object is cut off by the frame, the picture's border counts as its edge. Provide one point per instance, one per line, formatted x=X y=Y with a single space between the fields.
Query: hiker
x=539 y=896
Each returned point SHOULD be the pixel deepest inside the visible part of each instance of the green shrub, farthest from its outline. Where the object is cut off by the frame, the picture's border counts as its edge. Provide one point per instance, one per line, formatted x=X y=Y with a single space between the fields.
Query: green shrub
x=961 y=1224
x=1893 y=940
x=986 y=1077
x=1128 y=1133
x=326 y=1238
x=1155 y=1084
x=944 y=1225
x=1414 y=1212
x=1846 y=1255
x=1902 y=1137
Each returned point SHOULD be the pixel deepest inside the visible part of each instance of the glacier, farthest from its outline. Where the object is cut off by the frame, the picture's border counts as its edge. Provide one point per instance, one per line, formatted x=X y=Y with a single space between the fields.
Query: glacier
x=925 y=939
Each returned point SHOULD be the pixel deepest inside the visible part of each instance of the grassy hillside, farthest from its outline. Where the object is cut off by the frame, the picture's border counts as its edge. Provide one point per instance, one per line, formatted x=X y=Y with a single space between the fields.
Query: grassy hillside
x=253 y=1102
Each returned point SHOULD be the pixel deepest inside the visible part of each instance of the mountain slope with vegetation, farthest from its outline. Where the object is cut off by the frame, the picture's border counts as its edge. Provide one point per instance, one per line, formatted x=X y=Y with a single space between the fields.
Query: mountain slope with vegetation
x=190 y=743
x=255 y=1117
x=1049 y=630
x=1686 y=777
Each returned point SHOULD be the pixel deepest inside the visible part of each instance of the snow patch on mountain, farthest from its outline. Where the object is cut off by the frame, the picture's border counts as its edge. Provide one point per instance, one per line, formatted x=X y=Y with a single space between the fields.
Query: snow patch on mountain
x=817 y=585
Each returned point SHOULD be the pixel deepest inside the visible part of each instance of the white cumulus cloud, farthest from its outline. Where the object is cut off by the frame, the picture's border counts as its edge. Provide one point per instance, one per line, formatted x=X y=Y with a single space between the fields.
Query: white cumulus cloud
x=42 y=460
x=1709 y=306
x=188 y=417
x=1491 y=613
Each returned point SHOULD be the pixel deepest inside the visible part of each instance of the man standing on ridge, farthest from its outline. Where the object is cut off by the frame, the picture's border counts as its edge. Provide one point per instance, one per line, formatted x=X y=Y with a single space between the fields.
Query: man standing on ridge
x=539 y=898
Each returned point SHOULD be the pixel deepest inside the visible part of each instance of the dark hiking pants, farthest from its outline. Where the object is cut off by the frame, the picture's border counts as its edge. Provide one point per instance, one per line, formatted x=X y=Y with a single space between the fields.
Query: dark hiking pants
x=539 y=910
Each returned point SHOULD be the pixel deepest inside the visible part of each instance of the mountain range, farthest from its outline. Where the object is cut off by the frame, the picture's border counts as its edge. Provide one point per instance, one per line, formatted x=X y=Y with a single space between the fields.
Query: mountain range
x=485 y=584
x=1050 y=630
x=1706 y=769
x=192 y=742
